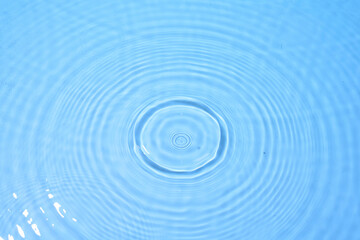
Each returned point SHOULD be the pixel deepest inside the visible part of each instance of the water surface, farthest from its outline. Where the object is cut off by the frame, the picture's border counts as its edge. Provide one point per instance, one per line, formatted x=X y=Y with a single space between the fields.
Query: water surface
x=179 y=120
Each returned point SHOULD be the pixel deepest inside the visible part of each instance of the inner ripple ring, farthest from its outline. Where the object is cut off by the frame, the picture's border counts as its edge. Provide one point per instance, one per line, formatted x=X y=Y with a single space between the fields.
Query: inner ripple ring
x=181 y=136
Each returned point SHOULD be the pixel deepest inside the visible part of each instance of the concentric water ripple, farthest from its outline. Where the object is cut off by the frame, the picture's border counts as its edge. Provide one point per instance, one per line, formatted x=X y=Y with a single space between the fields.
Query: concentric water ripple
x=179 y=136
x=179 y=120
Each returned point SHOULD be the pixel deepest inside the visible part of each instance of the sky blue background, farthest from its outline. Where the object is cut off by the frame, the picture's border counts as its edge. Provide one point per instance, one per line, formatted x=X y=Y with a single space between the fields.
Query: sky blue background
x=284 y=75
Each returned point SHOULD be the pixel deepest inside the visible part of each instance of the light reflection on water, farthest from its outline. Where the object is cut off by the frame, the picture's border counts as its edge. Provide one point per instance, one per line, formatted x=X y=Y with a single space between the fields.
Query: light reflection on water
x=29 y=220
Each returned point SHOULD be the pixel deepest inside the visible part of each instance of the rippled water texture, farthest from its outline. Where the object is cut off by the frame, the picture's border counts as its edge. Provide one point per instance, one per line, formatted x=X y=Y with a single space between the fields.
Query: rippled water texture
x=180 y=120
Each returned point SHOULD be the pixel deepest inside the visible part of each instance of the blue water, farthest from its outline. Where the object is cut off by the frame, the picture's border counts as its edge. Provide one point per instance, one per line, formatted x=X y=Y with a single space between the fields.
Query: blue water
x=180 y=120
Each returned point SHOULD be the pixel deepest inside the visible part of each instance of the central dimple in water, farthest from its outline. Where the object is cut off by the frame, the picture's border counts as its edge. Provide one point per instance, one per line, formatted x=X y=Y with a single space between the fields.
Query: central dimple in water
x=181 y=140
x=179 y=136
